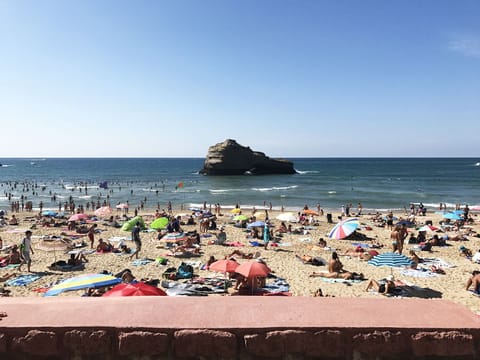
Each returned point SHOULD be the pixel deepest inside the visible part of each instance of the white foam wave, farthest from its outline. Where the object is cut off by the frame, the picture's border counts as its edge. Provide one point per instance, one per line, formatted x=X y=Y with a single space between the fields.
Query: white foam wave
x=6 y=165
x=306 y=172
x=332 y=192
x=275 y=188
x=84 y=197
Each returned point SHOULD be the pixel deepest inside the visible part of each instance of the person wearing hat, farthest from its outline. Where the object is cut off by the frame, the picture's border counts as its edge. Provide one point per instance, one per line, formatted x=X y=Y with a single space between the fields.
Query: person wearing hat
x=384 y=286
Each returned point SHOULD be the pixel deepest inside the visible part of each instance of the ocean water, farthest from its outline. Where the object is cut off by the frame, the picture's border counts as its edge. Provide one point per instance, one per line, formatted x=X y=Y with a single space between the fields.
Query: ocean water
x=378 y=183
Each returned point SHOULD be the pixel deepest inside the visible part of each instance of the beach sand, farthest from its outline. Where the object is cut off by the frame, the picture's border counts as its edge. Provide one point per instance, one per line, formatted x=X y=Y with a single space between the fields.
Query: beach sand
x=282 y=259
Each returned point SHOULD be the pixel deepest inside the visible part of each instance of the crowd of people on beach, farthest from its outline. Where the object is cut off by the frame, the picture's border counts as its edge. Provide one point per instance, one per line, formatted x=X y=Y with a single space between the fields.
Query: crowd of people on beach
x=206 y=226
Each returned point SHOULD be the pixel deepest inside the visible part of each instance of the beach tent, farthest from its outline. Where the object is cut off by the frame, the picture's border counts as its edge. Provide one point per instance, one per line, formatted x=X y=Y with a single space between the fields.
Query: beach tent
x=160 y=223
x=130 y=224
x=288 y=216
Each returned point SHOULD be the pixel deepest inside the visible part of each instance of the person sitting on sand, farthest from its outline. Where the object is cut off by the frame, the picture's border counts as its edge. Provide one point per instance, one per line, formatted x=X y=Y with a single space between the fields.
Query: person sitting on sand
x=335 y=269
x=415 y=259
x=128 y=278
x=319 y=293
x=210 y=261
x=13 y=258
x=221 y=236
x=13 y=220
x=385 y=286
x=474 y=281
x=103 y=246
x=322 y=243
x=465 y=252
x=282 y=229
x=78 y=259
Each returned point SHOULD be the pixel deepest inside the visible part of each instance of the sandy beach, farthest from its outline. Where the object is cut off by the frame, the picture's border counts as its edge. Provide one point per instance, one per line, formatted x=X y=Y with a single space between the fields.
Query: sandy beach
x=281 y=259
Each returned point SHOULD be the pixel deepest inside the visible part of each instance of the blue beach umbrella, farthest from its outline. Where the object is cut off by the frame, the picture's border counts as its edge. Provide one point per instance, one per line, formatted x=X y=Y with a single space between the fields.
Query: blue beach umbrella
x=83 y=282
x=49 y=213
x=256 y=224
x=452 y=216
x=391 y=260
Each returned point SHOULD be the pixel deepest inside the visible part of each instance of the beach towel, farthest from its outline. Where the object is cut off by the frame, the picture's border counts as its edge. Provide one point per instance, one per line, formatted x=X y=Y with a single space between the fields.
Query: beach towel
x=305 y=240
x=343 y=281
x=419 y=273
x=139 y=262
x=436 y=262
x=22 y=280
x=233 y=243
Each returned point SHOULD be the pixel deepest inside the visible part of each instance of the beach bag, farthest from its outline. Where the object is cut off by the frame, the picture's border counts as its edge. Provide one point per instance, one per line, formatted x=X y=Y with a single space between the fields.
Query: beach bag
x=185 y=271
x=170 y=273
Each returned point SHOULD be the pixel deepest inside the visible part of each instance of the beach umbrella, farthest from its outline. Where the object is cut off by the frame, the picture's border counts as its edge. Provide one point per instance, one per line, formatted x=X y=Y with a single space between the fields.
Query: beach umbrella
x=407 y=223
x=428 y=228
x=83 y=282
x=235 y=211
x=452 y=216
x=134 y=289
x=49 y=213
x=253 y=269
x=76 y=217
x=130 y=224
x=240 y=217
x=174 y=237
x=224 y=266
x=391 y=259
x=256 y=224
x=392 y=218
x=310 y=212
x=52 y=245
x=103 y=211
x=475 y=208
x=343 y=229
x=122 y=206
x=160 y=223
x=288 y=216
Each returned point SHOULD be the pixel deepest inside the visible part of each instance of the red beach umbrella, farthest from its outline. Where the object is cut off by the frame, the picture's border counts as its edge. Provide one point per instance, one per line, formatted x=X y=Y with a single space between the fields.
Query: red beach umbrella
x=77 y=217
x=103 y=211
x=135 y=289
x=224 y=266
x=252 y=269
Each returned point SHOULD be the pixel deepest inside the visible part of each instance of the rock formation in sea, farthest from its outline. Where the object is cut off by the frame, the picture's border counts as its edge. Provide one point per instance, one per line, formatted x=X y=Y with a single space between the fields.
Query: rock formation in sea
x=231 y=158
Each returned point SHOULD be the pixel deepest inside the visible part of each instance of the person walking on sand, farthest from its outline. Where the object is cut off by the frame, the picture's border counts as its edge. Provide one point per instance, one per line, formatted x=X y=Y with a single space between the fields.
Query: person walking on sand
x=266 y=236
x=136 y=239
x=25 y=249
x=91 y=234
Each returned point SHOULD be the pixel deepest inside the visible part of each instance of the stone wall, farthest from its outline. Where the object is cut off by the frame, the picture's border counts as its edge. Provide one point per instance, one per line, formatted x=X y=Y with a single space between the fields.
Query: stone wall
x=236 y=328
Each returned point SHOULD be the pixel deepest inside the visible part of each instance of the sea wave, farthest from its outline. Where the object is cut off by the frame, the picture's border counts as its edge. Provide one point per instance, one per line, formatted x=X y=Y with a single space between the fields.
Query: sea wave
x=275 y=188
x=303 y=172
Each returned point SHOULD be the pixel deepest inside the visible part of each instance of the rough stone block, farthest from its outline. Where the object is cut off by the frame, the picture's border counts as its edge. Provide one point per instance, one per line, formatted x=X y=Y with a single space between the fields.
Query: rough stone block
x=36 y=342
x=387 y=343
x=277 y=343
x=87 y=342
x=142 y=343
x=443 y=343
x=326 y=343
x=3 y=343
x=206 y=343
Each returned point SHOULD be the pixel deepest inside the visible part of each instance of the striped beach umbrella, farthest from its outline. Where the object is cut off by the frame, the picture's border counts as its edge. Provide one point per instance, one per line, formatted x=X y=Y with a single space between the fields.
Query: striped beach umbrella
x=343 y=229
x=174 y=237
x=391 y=260
x=83 y=282
x=103 y=211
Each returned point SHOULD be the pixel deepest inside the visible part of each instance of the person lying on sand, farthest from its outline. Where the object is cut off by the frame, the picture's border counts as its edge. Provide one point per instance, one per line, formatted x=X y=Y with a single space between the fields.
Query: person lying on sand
x=311 y=260
x=335 y=270
x=384 y=286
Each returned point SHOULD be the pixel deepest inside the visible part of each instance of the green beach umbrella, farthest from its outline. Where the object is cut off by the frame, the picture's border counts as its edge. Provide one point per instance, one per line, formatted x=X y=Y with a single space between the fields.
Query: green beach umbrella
x=160 y=223
x=240 y=217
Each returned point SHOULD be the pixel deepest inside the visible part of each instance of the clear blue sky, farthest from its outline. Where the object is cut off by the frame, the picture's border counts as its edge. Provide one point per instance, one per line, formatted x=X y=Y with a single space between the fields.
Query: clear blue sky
x=292 y=78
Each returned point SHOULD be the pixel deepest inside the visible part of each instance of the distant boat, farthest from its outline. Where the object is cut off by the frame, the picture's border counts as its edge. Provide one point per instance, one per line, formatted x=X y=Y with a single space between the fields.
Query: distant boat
x=33 y=163
x=477 y=164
